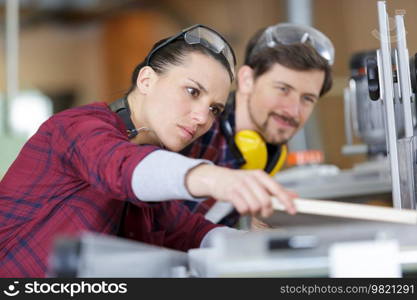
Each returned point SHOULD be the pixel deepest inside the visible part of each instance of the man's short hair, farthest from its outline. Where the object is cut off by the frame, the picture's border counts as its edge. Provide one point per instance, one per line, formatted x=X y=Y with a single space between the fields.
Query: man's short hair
x=298 y=56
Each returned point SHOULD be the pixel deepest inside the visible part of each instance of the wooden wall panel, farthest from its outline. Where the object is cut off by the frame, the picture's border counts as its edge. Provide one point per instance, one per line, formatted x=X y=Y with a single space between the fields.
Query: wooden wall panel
x=127 y=39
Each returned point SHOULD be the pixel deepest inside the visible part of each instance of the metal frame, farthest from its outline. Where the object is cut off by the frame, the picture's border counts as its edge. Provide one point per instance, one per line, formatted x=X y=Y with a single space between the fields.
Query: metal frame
x=388 y=99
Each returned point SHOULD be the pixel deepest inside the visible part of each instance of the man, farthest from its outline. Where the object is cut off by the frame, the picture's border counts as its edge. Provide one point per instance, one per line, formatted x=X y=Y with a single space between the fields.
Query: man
x=287 y=68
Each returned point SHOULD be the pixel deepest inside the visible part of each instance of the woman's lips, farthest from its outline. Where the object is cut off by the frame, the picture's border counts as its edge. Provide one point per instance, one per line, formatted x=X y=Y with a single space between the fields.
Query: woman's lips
x=187 y=131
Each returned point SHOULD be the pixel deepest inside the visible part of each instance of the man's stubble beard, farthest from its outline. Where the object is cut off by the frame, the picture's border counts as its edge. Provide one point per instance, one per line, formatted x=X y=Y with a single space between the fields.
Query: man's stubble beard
x=263 y=128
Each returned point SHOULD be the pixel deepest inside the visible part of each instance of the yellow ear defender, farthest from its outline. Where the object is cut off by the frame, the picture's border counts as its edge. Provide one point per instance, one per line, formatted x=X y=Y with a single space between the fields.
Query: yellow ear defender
x=248 y=147
x=254 y=150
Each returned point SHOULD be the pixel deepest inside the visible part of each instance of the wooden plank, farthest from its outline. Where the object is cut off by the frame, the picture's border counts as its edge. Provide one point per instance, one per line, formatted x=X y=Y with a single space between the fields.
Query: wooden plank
x=351 y=210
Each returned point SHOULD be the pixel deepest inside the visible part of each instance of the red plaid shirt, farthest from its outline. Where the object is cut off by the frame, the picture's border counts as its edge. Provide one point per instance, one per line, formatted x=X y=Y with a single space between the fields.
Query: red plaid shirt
x=73 y=175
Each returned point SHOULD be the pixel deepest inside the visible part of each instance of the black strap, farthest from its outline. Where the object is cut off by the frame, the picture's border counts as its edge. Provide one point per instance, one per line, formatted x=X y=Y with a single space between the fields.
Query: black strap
x=228 y=129
x=274 y=153
x=121 y=107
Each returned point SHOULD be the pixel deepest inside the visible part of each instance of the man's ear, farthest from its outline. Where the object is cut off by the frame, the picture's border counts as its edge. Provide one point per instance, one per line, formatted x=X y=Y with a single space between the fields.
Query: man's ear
x=145 y=80
x=245 y=79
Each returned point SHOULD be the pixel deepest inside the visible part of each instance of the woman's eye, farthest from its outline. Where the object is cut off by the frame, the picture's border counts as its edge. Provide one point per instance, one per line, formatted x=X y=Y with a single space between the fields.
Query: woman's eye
x=216 y=111
x=283 y=89
x=193 y=92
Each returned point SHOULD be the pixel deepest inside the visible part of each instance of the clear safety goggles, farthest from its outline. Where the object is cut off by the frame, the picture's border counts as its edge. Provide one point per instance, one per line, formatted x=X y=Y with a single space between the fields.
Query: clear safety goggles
x=205 y=36
x=287 y=34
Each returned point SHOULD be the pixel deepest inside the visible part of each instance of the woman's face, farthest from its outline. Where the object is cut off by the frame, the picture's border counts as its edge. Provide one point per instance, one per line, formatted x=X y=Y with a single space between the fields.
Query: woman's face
x=182 y=103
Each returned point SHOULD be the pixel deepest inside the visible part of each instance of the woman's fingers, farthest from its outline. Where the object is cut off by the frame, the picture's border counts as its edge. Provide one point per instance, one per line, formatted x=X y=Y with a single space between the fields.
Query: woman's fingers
x=275 y=189
x=257 y=224
x=260 y=195
x=240 y=204
x=249 y=198
x=249 y=191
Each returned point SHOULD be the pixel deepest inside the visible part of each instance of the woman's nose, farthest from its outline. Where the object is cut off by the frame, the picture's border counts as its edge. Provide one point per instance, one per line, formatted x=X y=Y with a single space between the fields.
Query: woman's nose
x=201 y=115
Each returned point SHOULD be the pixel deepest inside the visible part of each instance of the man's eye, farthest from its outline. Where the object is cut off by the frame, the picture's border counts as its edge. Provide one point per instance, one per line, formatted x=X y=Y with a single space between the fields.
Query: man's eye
x=193 y=92
x=310 y=99
x=216 y=111
x=283 y=89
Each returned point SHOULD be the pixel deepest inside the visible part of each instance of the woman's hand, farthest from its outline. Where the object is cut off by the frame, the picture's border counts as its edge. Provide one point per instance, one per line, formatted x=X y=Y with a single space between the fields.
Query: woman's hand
x=249 y=191
x=258 y=225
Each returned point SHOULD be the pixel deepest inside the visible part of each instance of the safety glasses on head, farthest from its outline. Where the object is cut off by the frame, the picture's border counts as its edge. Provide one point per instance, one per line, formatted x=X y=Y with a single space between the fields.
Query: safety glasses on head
x=287 y=34
x=205 y=36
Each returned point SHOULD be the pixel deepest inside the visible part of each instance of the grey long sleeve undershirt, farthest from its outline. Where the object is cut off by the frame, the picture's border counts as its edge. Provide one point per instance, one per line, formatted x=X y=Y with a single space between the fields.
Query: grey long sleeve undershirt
x=149 y=183
x=160 y=176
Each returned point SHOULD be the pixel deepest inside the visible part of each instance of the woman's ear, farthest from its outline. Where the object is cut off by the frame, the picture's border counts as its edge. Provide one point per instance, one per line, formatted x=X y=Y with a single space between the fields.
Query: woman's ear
x=245 y=79
x=145 y=80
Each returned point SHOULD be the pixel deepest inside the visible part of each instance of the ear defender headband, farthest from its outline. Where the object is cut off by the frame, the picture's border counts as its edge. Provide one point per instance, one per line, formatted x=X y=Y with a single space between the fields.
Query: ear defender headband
x=250 y=149
x=255 y=152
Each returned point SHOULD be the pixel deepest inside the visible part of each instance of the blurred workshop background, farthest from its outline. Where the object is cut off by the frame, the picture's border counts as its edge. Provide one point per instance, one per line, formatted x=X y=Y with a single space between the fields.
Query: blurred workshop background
x=74 y=52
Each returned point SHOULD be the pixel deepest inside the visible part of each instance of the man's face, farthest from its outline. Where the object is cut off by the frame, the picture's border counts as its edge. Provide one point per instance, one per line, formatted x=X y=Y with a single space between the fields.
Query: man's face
x=281 y=101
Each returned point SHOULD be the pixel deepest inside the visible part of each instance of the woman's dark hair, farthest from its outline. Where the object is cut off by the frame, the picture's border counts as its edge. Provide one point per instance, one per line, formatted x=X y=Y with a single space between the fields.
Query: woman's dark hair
x=174 y=54
x=299 y=56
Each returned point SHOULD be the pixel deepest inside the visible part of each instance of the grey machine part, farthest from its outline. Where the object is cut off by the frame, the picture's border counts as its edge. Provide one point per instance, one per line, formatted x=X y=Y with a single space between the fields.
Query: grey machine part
x=364 y=118
x=386 y=124
x=99 y=255
x=387 y=95
x=407 y=146
x=301 y=251
x=396 y=88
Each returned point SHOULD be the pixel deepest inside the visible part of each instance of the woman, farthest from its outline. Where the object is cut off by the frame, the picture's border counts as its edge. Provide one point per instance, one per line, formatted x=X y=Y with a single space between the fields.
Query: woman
x=84 y=170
